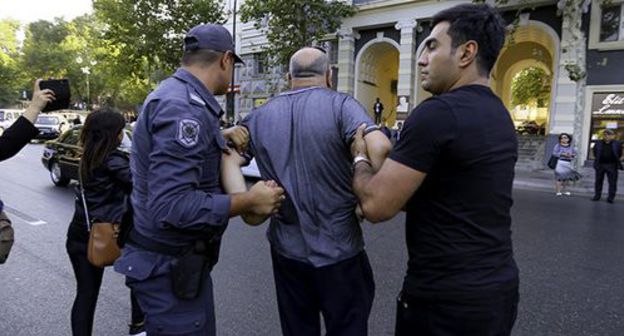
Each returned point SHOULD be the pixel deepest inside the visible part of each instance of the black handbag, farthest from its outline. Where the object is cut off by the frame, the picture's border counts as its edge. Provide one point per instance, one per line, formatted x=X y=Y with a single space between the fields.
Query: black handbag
x=552 y=162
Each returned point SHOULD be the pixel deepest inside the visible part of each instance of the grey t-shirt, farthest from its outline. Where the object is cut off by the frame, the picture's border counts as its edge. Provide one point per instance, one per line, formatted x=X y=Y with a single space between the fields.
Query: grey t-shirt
x=301 y=140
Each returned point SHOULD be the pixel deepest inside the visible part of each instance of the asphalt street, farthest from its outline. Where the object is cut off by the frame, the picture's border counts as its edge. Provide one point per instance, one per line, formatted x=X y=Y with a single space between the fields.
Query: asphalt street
x=570 y=252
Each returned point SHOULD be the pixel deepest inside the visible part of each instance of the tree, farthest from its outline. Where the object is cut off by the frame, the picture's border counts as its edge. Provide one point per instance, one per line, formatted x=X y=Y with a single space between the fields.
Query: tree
x=291 y=25
x=8 y=67
x=150 y=32
x=530 y=84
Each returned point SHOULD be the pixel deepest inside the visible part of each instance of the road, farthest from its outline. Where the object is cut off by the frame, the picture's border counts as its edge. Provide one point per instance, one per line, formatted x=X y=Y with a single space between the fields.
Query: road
x=570 y=252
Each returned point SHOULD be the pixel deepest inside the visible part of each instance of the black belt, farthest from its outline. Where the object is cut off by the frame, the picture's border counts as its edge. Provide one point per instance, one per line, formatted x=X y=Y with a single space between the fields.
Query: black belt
x=141 y=241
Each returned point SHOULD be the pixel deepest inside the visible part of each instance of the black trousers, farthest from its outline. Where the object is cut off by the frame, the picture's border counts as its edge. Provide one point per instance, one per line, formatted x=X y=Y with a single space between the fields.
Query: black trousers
x=377 y=118
x=88 y=283
x=612 y=175
x=343 y=293
x=492 y=315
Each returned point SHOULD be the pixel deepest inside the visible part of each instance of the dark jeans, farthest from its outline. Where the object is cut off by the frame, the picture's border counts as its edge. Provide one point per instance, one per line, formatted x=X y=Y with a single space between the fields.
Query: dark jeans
x=343 y=293
x=377 y=118
x=88 y=282
x=612 y=175
x=492 y=315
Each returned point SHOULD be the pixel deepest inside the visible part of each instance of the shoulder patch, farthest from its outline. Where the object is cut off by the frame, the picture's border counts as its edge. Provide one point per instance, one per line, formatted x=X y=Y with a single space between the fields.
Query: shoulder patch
x=188 y=132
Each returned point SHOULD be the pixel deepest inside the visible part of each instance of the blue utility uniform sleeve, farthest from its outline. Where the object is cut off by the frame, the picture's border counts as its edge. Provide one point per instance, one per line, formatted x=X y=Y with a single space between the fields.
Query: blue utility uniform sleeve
x=177 y=162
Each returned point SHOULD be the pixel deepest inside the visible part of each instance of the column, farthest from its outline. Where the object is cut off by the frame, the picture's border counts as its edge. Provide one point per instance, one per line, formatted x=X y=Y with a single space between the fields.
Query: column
x=346 y=60
x=407 y=61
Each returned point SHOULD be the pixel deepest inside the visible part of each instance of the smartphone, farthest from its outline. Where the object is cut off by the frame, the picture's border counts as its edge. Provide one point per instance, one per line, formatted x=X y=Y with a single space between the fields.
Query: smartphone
x=60 y=87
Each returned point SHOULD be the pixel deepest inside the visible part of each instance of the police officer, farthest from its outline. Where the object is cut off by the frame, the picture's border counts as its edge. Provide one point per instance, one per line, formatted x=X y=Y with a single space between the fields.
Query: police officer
x=180 y=211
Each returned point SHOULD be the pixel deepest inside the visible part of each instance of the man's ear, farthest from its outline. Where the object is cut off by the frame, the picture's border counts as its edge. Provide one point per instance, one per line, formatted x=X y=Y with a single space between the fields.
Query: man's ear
x=468 y=53
x=225 y=58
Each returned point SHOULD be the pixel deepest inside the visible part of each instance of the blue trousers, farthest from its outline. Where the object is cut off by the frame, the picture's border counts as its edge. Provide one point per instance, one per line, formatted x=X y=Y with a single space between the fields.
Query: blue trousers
x=167 y=315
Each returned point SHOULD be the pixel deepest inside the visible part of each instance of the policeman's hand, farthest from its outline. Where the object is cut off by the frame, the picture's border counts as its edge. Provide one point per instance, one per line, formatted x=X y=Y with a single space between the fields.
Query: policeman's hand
x=267 y=197
x=358 y=146
x=239 y=136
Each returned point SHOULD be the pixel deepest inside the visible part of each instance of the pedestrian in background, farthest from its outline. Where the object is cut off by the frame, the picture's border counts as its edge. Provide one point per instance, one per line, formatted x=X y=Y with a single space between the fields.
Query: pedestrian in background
x=107 y=183
x=564 y=171
x=607 y=161
x=378 y=111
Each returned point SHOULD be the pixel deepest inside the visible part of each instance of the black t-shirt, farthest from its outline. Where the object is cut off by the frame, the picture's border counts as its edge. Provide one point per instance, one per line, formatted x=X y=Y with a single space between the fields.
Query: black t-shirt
x=607 y=156
x=458 y=222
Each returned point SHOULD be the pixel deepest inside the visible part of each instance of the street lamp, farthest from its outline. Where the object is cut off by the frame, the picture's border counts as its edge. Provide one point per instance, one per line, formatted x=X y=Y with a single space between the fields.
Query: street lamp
x=230 y=96
x=87 y=71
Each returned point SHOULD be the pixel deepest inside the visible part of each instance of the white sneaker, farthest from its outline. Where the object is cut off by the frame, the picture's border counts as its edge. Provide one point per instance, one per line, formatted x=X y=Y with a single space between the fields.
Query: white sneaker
x=567 y=193
x=558 y=194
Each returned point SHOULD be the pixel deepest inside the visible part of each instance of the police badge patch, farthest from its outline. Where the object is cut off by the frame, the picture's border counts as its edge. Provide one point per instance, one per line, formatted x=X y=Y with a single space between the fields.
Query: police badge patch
x=188 y=132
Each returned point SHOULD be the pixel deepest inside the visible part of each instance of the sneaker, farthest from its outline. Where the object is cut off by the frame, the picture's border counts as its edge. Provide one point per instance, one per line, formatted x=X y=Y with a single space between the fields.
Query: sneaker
x=137 y=329
x=558 y=194
x=610 y=200
x=567 y=193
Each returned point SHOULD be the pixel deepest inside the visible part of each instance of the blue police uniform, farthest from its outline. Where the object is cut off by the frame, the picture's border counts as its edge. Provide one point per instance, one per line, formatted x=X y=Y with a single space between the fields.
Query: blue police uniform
x=177 y=200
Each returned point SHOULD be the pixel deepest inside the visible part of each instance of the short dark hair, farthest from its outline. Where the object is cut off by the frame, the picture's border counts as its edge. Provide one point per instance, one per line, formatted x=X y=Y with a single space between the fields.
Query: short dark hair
x=479 y=23
x=565 y=134
x=201 y=57
x=318 y=67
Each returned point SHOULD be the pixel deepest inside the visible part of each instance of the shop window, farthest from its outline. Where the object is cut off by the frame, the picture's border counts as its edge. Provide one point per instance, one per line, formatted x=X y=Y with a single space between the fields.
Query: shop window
x=607 y=112
x=260 y=62
x=607 y=25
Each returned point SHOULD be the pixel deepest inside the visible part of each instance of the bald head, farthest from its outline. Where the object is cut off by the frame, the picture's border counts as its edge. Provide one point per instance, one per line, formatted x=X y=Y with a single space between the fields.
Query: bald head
x=308 y=63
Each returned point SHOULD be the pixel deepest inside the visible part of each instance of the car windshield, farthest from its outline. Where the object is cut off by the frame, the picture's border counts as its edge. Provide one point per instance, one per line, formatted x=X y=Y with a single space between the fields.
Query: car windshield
x=47 y=120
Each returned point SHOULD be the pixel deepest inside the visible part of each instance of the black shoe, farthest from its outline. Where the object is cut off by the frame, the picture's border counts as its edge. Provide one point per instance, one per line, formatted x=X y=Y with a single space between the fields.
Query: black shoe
x=610 y=200
x=137 y=329
x=596 y=198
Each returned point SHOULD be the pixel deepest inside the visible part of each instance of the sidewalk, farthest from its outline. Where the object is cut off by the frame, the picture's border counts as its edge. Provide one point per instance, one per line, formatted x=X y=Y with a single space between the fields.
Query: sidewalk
x=544 y=180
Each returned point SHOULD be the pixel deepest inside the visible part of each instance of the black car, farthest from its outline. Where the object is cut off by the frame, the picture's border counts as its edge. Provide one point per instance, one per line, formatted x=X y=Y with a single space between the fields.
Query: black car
x=62 y=156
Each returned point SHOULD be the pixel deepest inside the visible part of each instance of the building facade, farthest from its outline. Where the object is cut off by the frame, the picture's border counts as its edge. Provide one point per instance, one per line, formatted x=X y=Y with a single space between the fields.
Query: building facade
x=578 y=47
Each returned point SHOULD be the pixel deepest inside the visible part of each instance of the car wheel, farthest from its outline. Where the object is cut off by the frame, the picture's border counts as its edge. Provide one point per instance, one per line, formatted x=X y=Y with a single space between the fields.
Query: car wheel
x=57 y=176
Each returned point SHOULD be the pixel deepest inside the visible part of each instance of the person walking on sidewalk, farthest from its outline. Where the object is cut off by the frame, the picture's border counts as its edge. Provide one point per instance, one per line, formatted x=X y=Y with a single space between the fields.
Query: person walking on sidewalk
x=564 y=172
x=608 y=156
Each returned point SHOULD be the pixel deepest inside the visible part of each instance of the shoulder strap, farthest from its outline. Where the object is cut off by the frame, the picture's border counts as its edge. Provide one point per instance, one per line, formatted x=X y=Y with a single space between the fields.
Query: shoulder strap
x=84 y=199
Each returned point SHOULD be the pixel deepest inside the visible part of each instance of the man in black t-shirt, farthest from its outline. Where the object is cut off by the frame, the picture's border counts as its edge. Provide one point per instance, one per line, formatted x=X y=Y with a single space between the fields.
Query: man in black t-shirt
x=607 y=160
x=452 y=170
x=378 y=111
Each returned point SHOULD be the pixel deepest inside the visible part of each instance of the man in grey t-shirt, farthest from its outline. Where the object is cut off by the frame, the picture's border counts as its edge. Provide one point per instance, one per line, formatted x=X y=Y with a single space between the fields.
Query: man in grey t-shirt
x=301 y=140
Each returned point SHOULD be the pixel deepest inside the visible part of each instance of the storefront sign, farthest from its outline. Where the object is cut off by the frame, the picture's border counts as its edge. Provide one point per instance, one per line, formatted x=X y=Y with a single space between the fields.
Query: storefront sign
x=611 y=103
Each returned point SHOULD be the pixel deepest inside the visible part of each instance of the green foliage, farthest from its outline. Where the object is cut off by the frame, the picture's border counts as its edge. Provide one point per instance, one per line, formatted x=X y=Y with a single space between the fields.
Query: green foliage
x=8 y=67
x=531 y=84
x=153 y=30
x=291 y=25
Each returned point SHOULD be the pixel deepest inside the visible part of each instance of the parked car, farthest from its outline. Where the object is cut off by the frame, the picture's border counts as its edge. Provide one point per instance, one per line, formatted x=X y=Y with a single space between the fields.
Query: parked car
x=50 y=126
x=530 y=127
x=8 y=117
x=61 y=157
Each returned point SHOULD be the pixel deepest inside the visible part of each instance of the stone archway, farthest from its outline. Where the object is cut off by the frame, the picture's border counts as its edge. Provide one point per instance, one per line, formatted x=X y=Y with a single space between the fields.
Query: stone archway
x=376 y=75
x=535 y=44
